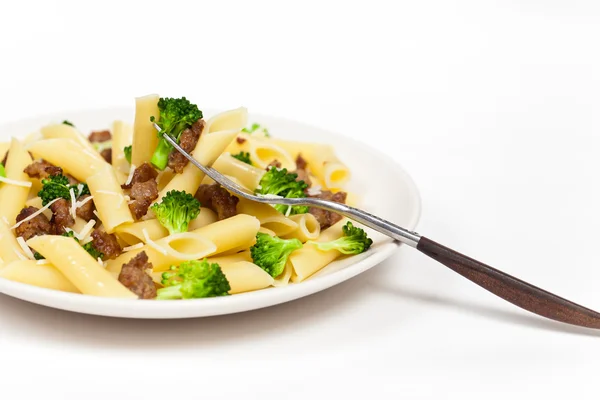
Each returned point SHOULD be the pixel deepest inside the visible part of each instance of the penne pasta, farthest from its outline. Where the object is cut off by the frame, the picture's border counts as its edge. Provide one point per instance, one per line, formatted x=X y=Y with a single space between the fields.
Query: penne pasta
x=43 y=275
x=244 y=174
x=79 y=267
x=84 y=165
x=12 y=196
x=308 y=228
x=10 y=250
x=145 y=138
x=285 y=276
x=4 y=146
x=109 y=199
x=64 y=131
x=309 y=259
x=244 y=276
x=122 y=136
x=269 y=217
x=263 y=152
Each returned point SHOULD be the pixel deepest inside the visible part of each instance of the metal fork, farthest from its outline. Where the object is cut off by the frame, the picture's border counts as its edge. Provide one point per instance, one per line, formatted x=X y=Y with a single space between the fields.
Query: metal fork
x=507 y=287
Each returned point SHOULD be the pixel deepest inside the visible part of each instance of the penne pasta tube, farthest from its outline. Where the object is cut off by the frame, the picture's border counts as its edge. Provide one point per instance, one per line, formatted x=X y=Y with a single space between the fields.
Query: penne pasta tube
x=308 y=228
x=10 y=250
x=308 y=260
x=269 y=217
x=122 y=136
x=218 y=133
x=263 y=152
x=145 y=138
x=244 y=276
x=231 y=259
x=285 y=276
x=244 y=174
x=79 y=267
x=43 y=275
x=83 y=165
x=133 y=233
x=64 y=131
x=4 y=146
x=13 y=197
x=109 y=199
x=322 y=162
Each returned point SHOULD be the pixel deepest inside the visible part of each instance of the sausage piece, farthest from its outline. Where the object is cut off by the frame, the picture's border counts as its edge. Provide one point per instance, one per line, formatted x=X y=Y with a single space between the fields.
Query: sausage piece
x=106 y=243
x=328 y=218
x=37 y=226
x=134 y=277
x=217 y=199
x=187 y=141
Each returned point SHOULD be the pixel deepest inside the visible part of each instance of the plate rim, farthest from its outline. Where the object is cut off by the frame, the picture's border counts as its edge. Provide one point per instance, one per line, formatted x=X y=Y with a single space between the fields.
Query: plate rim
x=194 y=308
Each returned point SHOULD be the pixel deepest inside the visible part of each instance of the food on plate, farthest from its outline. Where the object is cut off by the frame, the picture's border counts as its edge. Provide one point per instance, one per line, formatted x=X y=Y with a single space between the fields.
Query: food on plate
x=118 y=212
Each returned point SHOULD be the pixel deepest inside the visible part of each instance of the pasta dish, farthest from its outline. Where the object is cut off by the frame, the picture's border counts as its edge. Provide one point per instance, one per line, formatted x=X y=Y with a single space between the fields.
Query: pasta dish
x=120 y=213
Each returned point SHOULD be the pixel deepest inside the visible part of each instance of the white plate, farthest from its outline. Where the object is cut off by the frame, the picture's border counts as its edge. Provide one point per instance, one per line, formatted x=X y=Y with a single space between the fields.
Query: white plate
x=391 y=195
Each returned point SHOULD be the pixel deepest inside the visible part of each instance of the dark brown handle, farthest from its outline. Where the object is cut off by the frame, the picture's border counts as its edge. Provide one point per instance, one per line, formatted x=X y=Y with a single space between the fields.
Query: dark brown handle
x=521 y=294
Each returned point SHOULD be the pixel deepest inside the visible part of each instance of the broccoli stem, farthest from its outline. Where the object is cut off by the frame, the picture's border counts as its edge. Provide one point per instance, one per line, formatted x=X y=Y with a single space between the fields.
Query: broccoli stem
x=160 y=158
x=170 y=293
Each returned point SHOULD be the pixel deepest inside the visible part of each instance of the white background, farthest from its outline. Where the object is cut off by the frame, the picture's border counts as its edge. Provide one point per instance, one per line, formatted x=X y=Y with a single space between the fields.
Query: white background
x=492 y=107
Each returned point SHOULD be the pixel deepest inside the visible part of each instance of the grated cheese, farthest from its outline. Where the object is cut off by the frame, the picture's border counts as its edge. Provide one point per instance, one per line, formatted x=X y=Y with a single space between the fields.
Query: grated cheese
x=81 y=203
x=86 y=240
x=96 y=214
x=100 y=262
x=152 y=243
x=133 y=247
x=15 y=182
x=42 y=262
x=73 y=203
x=79 y=189
x=5 y=220
x=25 y=248
x=288 y=211
x=35 y=214
x=130 y=176
x=85 y=231
x=314 y=191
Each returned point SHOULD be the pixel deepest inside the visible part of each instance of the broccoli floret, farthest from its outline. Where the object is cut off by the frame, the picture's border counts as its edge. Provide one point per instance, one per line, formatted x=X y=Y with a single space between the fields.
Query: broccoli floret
x=271 y=252
x=101 y=146
x=193 y=280
x=255 y=127
x=89 y=247
x=175 y=116
x=127 y=151
x=38 y=256
x=54 y=187
x=281 y=183
x=57 y=186
x=176 y=210
x=354 y=240
x=68 y=123
x=243 y=157
x=2 y=171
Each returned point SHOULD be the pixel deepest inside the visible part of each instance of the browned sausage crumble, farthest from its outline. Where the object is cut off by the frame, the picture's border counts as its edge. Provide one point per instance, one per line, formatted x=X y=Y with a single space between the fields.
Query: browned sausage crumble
x=37 y=226
x=218 y=199
x=106 y=243
x=86 y=211
x=99 y=136
x=188 y=140
x=135 y=278
x=275 y=163
x=328 y=218
x=240 y=140
x=142 y=196
x=42 y=169
x=107 y=155
x=143 y=173
x=61 y=217
x=302 y=171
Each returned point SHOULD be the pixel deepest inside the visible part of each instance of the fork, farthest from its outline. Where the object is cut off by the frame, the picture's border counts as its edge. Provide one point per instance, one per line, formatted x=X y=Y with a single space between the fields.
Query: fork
x=507 y=287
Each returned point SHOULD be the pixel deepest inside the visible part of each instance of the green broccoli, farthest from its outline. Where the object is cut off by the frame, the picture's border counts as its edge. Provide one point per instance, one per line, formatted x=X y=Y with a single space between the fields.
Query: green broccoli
x=38 y=256
x=2 y=171
x=175 y=116
x=281 y=183
x=176 y=210
x=89 y=247
x=127 y=151
x=68 y=123
x=256 y=127
x=54 y=187
x=57 y=186
x=243 y=157
x=354 y=240
x=271 y=252
x=193 y=280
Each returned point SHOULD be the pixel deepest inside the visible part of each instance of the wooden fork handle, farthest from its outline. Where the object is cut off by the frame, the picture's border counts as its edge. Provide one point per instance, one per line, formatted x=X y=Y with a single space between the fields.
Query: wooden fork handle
x=516 y=291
